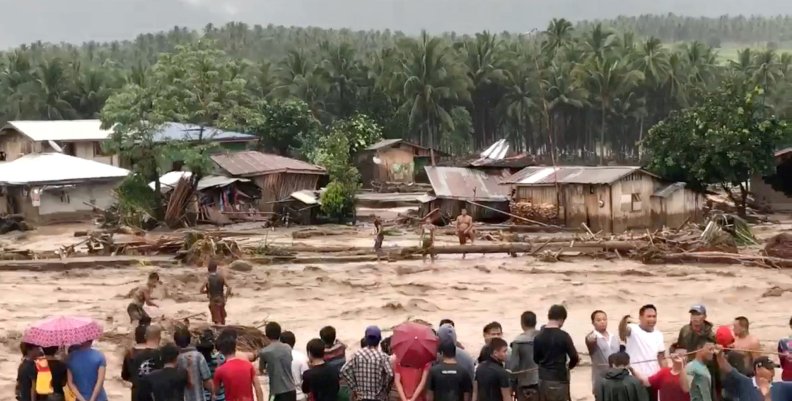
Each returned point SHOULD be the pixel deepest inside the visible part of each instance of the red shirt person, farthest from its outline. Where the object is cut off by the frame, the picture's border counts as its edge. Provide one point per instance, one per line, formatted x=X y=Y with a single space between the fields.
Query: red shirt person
x=670 y=382
x=237 y=376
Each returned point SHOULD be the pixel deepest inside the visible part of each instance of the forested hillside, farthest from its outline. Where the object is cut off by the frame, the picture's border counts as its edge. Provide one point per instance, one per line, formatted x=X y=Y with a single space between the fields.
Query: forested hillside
x=576 y=86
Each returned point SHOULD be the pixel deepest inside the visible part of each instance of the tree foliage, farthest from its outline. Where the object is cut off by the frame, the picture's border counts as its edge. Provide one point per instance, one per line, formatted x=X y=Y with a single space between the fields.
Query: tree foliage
x=725 y=141
x=587 y=92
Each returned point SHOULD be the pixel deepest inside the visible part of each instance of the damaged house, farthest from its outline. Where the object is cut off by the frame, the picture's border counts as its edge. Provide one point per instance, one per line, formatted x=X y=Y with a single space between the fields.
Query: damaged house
x=50 y=188
x=607 y=198
x=457 y=188
x=277 y=177
x=775 y=190
x=394 y=160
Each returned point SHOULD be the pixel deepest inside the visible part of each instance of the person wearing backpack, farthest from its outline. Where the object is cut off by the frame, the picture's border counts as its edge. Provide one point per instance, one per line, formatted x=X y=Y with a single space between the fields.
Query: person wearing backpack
x=58 y=371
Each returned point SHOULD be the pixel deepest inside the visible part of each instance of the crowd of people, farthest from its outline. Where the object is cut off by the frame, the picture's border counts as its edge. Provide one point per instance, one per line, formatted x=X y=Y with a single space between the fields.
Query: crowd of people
x=703 y=364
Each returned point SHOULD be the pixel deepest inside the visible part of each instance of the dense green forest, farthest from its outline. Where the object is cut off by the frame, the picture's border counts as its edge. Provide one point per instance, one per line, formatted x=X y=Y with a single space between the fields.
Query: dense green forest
x=591 y=90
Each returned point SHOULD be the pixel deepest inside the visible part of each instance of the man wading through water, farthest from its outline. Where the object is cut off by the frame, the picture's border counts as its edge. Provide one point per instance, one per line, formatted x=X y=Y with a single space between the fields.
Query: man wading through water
x=213 y=286
x=142 y=296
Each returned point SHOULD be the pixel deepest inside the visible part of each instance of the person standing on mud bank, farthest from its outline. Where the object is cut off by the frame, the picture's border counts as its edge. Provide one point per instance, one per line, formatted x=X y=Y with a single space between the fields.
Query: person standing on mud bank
x=618 y=384
x=745 y=344
x=369 y=372
x=698 y=375
x=335 y=350
x=379 y=236
x=785 y=356
x=521 y=360
x=601 y=345
x=552 y=347
x=644 y=343
x=464 y=228
x=698 y=332
x=143 y=358
x=276 y=359
x=427 y=239
x=214 y=287
x=86 y=374
x=142 y=296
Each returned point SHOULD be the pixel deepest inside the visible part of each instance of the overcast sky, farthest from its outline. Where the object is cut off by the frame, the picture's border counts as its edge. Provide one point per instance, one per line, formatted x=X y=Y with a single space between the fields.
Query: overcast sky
x=102 y=20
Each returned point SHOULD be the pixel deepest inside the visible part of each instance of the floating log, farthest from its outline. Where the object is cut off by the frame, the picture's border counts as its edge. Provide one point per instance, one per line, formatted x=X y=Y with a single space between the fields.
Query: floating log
x=720 y=258
x=321 y=232
x=97 y=262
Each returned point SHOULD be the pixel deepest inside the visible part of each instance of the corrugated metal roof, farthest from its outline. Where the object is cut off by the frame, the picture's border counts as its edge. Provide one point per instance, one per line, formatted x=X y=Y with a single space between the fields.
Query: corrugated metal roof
x=669 y=190
x=384 y=144
x=783 y=152
x=252 y=163
x=169 y=180
x=192 y=132
x=65 y=130
x=55 y=167
x=571 y=175
x=306 y=196
x=466 y=184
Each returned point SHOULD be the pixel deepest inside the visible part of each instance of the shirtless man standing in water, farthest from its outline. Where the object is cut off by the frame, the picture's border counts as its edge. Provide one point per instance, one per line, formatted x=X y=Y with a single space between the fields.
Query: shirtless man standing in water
x=748 y=344
x=464 y=228
x=140 y=297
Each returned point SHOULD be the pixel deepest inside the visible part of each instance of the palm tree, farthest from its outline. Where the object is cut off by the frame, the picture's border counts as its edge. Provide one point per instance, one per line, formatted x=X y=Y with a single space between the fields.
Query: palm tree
x=485 y=72
x=51 y=83
x=609 y=79
x=430 y=86
x=341 y=69
x=558 y=34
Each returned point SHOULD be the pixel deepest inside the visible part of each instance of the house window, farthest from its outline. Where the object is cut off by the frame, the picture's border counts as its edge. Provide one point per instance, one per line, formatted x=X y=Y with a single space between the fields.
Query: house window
x=635 y=203
x=98 y=150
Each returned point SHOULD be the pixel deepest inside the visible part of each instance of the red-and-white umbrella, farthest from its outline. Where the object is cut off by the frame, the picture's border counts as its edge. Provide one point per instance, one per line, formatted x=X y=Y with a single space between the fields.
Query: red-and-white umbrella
x=62 y=330
x=414 y=344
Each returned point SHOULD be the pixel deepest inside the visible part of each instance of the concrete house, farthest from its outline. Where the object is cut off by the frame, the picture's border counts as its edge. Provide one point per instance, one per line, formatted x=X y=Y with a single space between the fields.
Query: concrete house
x=79 y=138
x=775 y=190
x=56 y=188
x=610 y=199
x=278 y=177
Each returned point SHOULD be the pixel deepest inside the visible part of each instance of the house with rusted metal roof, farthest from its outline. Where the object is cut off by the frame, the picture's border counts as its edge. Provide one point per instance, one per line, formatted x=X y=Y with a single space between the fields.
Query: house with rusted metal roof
x=394 y=160
x=277 y=176
x=457 y=188
x=605 y=198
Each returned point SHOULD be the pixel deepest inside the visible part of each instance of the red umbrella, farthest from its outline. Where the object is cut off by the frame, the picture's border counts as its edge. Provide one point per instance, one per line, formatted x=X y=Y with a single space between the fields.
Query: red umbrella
x=414 y=345
x=62 y=330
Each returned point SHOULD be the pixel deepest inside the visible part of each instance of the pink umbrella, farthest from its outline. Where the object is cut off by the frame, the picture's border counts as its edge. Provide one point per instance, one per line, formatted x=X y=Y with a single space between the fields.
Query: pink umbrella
x=62 y=330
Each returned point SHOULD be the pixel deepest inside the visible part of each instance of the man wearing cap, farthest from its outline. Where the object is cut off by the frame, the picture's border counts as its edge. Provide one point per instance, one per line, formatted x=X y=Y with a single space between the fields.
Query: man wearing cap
x=758 y=388
x=698 y=332
x=694 y=335
x=369 y=372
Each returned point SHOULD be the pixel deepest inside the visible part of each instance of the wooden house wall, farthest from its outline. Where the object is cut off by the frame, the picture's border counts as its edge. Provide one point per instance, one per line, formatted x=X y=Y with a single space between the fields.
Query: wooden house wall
x=279 y=187
x=631 y=200
x=677 y=209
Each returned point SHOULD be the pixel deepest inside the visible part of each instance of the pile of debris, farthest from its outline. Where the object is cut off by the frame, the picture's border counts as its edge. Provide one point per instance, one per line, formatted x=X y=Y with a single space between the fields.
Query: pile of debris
x=780 y=246
x=200 y=247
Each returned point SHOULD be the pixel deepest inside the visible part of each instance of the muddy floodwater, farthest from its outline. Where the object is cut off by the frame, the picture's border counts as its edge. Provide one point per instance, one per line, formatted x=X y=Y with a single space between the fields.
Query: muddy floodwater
x=472 y=292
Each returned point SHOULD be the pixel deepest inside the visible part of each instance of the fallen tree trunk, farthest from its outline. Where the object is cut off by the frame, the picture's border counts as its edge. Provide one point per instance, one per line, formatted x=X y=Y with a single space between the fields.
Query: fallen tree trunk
x=720 y=258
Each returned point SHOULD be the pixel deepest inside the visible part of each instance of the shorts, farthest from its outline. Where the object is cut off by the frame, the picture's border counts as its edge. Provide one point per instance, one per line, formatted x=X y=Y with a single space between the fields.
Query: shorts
x=463 y=237
x=217 y=310
x=553 y=391
x=378 y=242
x=136 y=312
x=427 y=243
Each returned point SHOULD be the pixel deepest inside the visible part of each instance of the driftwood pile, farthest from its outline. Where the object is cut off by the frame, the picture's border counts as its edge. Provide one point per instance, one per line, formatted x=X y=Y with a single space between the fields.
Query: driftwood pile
x=534 y=211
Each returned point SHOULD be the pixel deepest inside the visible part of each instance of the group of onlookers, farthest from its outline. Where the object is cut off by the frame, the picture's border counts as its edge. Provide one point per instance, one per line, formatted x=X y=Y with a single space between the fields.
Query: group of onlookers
x=703 y=364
